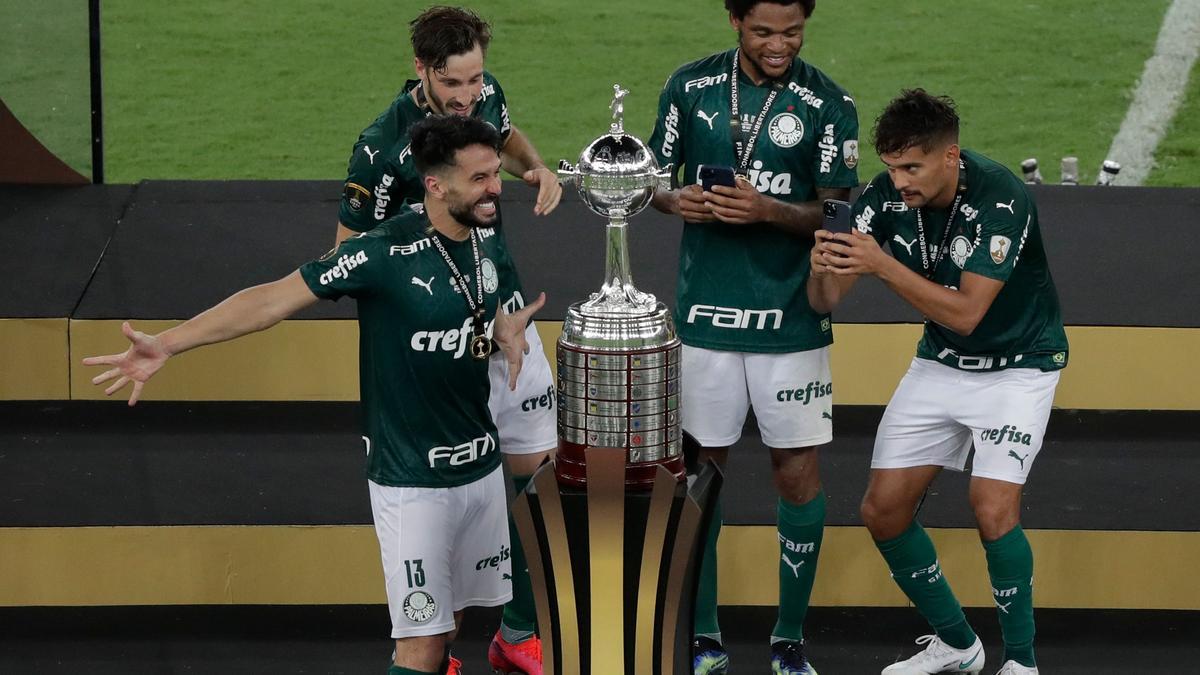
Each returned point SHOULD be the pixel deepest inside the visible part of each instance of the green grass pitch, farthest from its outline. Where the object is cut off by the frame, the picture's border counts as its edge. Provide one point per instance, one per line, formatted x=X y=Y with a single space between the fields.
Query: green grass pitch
x=251 y=89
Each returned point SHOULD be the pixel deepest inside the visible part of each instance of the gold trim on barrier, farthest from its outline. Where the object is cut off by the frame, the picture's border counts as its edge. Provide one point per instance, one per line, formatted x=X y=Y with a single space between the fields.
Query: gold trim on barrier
x=685 y=538
x=292 y=564
x=652 y=553
x=561 y=570
x=606 y=557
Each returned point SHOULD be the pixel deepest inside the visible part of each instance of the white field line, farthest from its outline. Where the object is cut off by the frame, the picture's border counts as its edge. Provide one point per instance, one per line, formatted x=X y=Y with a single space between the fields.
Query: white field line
x=1159 y=92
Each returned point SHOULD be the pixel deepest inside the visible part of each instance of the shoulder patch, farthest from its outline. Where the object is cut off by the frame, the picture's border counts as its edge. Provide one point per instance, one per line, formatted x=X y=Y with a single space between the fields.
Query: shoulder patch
x=356 y=196
x=999 y=248
x=850 y=153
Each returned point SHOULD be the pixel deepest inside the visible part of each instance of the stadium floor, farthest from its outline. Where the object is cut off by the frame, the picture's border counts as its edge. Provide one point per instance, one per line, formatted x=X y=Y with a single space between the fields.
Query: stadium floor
x=244 y=640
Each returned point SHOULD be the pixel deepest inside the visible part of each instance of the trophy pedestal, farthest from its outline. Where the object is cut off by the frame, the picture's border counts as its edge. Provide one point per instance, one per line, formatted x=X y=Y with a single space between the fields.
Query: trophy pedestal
x=614 y=573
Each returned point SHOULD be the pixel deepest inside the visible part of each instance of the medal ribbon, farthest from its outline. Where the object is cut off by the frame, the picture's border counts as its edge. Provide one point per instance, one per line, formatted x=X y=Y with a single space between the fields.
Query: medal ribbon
x=931 y=267
x=474 y=304
x=745 y=148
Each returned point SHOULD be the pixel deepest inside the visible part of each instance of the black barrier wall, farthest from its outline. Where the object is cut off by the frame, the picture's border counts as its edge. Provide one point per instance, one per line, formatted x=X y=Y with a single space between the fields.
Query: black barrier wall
x=1119 y=256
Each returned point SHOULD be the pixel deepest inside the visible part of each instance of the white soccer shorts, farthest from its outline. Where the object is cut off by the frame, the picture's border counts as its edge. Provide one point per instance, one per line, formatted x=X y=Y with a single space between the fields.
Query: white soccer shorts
x=443 y=549
x=525 y=419
x=792 y=395
x=937 y=413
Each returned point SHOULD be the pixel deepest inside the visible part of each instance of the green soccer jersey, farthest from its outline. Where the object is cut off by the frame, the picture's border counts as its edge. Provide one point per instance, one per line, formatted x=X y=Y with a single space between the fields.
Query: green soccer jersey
x=742 y=287
x=424 y=397
x=381 y=177
x=996 y=227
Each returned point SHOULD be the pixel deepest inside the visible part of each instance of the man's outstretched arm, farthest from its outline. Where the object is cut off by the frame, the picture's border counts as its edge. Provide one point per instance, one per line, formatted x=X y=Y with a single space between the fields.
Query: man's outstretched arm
x=247 y=311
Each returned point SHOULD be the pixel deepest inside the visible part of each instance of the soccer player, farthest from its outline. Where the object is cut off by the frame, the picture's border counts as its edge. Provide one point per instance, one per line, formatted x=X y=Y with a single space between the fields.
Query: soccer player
x=967 y=253
x=449 y=45
x=750 y=337
x=437 y=490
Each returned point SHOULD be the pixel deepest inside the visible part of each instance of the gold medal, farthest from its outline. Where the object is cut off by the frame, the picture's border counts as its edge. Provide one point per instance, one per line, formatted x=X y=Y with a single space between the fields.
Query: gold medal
x=481 y=347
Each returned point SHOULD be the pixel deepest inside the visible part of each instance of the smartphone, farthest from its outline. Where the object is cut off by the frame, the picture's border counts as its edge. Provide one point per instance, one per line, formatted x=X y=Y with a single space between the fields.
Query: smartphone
x=837 y=216
x=709 y=175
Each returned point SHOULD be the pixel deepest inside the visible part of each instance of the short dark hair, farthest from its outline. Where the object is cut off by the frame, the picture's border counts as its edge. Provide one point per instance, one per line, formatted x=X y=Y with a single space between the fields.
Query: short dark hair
x=740 y=8
x=441 y=32
x=915 y=118
x=437 y=138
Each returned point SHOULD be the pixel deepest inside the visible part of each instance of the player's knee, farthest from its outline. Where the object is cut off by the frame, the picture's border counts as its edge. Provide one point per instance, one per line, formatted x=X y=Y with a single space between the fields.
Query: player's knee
x=795 y=474
x=423 y=653
x=995 y=518
x=883 y=521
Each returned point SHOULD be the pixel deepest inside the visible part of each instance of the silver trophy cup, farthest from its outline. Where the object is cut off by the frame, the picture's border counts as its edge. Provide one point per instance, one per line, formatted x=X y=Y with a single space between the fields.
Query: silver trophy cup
x=618 y=356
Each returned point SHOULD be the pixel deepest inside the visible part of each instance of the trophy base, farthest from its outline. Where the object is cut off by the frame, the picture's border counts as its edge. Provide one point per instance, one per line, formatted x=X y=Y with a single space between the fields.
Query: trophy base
x=614 y=572
x=571 y=469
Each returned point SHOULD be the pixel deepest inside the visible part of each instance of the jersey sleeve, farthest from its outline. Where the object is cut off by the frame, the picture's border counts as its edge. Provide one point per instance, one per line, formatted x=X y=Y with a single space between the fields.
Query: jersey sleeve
x=868 y=210
x=666 y=139
x=358 y=192
x=494 y=108
x=1004 y=220
x=350 y=269
x=835 y=163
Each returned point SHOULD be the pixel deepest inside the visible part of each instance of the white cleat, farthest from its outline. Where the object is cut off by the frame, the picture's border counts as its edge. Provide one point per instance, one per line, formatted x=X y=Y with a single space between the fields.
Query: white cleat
x=1013 y=668
x=939 y=657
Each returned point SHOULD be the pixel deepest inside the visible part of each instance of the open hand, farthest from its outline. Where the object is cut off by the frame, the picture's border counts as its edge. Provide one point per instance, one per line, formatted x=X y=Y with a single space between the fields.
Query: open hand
x=137 y=364
x=509 y=332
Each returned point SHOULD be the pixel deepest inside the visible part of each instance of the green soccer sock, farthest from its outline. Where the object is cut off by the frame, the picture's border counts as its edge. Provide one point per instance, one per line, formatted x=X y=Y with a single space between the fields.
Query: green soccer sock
x=397 y=670
x=917 y=572
x=1010 y=566
x=520 y=614
x=706 y=594
x=801 y=527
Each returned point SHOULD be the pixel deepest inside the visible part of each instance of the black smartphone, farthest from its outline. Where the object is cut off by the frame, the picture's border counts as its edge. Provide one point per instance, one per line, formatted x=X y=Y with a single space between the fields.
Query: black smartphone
x=709 y=175
x=837 y=216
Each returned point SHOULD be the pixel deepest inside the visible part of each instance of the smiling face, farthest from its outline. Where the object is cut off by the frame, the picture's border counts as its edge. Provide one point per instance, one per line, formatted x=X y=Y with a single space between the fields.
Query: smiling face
x=770 y=37
x=454 y=89
x=924 y=178
x=471 y=187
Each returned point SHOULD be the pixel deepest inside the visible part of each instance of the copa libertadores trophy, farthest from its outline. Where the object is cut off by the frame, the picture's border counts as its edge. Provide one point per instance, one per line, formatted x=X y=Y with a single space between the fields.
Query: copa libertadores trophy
x=618 y=357
x=612 y=533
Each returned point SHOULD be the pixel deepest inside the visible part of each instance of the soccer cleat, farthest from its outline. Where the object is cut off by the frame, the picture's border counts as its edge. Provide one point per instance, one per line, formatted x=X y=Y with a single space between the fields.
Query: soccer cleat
x=522 y=658
x=455 y=667
x=709 y=657
x=1011 y=667
x=787 y=658
x=939 y=657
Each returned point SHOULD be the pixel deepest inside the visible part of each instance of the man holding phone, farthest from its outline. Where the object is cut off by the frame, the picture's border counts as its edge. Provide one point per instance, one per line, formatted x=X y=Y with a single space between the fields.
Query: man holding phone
x=784 y=137
x=984 y=374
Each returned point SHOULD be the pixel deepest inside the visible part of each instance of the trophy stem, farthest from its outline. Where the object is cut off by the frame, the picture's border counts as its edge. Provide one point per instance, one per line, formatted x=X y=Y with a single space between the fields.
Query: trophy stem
x=618 y=294
x=617 y=274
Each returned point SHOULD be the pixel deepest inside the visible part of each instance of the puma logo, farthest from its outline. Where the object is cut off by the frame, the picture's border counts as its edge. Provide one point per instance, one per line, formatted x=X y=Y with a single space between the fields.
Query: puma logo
x=1014 y=455
x=907 y=244
x=826 y=416
x=424 y=284
x=706 y=118
x=1008 y=206
x=1003 y=607
x=370 y=155
x=795 y=566
x=505 y=576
